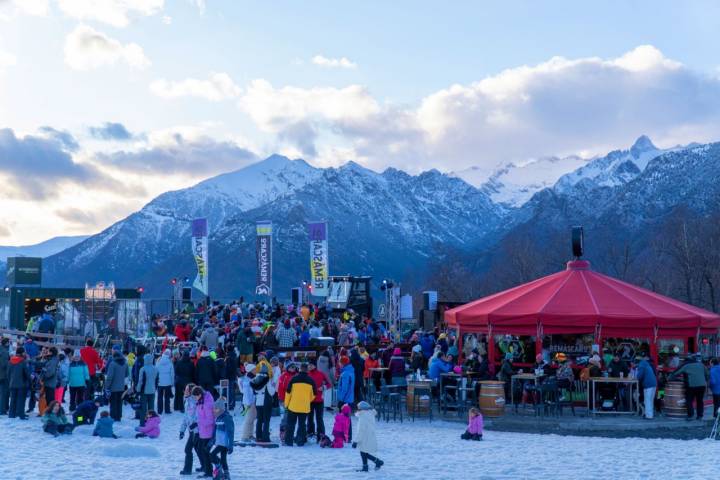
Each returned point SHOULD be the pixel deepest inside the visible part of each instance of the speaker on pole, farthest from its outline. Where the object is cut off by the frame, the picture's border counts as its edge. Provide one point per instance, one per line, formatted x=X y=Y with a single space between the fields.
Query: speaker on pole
x=577 y=241
x=296 y=296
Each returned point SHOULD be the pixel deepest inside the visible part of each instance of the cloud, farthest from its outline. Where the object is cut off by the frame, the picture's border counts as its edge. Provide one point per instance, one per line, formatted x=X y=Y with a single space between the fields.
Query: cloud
x=5 y=231
x=35 y=164
x=78 y=216
x=218 y=86
x=274 y=109
x=33 y=7
x=86 y=48
x=182 y=151
x=63 y=137
x=111 y=131
x=7 y=59
x=112 y=12
x=333 y=62
x=200 y=4
x=561 y=106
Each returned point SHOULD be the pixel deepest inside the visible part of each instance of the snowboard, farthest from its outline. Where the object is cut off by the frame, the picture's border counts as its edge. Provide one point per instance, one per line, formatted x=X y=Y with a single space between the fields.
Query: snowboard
x=257 y=444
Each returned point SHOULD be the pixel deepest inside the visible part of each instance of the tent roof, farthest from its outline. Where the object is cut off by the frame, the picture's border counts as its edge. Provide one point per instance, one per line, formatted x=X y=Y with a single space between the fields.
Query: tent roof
x=579 y=299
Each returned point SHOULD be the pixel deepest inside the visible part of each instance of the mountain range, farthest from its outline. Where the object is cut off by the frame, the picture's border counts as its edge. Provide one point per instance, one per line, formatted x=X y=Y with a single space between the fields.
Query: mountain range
x=389 y=224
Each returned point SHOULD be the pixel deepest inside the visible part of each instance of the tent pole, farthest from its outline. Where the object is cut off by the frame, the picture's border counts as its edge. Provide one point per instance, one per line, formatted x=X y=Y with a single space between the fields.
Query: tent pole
x=461 y=357
x=538 y=340
x=491 y=351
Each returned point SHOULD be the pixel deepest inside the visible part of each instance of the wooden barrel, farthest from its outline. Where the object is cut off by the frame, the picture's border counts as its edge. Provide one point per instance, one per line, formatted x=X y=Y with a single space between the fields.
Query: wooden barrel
x=423 y=406
x=492 y=398
x=674 y=401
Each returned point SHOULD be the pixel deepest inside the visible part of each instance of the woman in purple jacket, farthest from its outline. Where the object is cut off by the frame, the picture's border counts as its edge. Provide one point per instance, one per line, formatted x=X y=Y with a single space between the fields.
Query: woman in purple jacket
x=205 y=425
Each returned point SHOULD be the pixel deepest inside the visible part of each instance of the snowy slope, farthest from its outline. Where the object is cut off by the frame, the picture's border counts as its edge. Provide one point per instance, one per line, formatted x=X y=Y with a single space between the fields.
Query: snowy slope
x=616 y=168
x=128 y=249
x=419 y=450
x=387 y=223
x=43 y=249
x=515 y=184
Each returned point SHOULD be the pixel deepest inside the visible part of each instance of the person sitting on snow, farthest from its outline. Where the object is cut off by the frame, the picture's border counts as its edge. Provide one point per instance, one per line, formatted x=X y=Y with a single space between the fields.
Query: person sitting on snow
x=104 y=426
x=475 y=425
x=54 y=421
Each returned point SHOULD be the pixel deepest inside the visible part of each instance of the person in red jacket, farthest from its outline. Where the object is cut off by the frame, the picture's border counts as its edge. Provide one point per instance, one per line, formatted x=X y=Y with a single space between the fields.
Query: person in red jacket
x=283 y=382
x=317 y=406
x=183 y=331
x=94 y=363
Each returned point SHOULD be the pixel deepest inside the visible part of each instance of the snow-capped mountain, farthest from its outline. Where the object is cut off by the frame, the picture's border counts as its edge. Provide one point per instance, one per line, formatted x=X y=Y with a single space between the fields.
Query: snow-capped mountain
x=379 y=222
x=151 y=235
x=388 y=224
x=616 y=168
x=513 y=184
x=42 y=249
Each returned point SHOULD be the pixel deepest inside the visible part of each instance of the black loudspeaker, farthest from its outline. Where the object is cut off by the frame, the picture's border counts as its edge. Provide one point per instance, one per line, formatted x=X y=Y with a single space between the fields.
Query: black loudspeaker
x=296 y=296
x=428 y=319
x=577 y=241
x=187 y=294
x=430 y=299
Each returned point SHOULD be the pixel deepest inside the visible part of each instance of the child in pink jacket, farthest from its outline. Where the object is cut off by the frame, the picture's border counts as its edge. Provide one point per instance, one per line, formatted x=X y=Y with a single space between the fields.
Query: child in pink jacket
x=475 y=425
x=151 y=429
x=341 y=429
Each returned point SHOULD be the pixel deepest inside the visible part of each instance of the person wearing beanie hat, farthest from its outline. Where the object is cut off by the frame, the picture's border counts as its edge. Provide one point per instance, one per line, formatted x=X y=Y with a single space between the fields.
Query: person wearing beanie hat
x=396 y=367
x=299 y=395
x=317 y=406
x=223 y=440
x=166 y=379
x=248 y=401
x=264 y=391
x=346 y=383
x=286 y=335
x=366 y=438
x=206 y=373
x=283 y=382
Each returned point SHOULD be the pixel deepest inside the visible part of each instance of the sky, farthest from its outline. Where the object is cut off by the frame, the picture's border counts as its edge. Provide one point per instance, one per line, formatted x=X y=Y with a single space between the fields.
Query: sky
x=104 y=104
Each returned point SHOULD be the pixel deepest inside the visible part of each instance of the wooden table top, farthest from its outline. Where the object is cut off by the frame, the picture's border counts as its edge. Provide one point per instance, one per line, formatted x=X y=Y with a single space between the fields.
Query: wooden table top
x=612 y=380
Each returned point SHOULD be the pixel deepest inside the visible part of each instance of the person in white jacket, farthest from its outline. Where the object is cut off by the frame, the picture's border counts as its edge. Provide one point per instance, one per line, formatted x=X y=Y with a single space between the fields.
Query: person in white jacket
x=166 y=379
x=264 y=388
x=365 y=438
x=248 y=399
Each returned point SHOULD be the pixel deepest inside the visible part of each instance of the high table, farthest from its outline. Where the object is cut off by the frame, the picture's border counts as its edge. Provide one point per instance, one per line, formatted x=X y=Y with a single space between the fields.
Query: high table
x=631 y=383
x=523 y=377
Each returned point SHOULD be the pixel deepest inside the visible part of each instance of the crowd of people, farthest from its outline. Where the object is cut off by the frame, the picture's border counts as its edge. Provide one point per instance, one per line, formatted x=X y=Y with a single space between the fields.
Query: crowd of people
x=272 y=361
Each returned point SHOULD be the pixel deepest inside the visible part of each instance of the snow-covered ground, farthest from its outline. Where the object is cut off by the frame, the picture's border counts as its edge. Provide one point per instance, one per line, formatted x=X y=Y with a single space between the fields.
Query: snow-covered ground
x=410 y=450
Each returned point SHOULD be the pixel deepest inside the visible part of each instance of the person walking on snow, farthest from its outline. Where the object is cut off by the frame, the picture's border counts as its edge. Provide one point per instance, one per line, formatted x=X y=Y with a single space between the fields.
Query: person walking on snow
x=365 y=437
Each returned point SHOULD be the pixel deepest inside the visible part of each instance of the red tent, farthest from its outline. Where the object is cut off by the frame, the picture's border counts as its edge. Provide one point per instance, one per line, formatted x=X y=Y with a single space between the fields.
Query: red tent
x=579 y=300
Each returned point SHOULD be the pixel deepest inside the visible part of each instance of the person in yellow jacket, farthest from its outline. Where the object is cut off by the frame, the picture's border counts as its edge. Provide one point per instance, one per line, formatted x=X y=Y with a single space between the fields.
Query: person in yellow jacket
x=300 y=393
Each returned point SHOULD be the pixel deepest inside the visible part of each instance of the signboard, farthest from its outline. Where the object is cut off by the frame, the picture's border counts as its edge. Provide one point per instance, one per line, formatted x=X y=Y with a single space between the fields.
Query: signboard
x=101 y=291
x=263 y=253
x=200 y=252
x=319 y=258
x=24 y=271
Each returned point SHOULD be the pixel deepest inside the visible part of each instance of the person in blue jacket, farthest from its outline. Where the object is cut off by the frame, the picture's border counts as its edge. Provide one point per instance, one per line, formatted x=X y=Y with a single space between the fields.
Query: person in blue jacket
x=223 y=439
x=715 y=385
x=648 y=382
x=439 y=366
x=346 y=383
x=104 y=426
x=427 y=343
